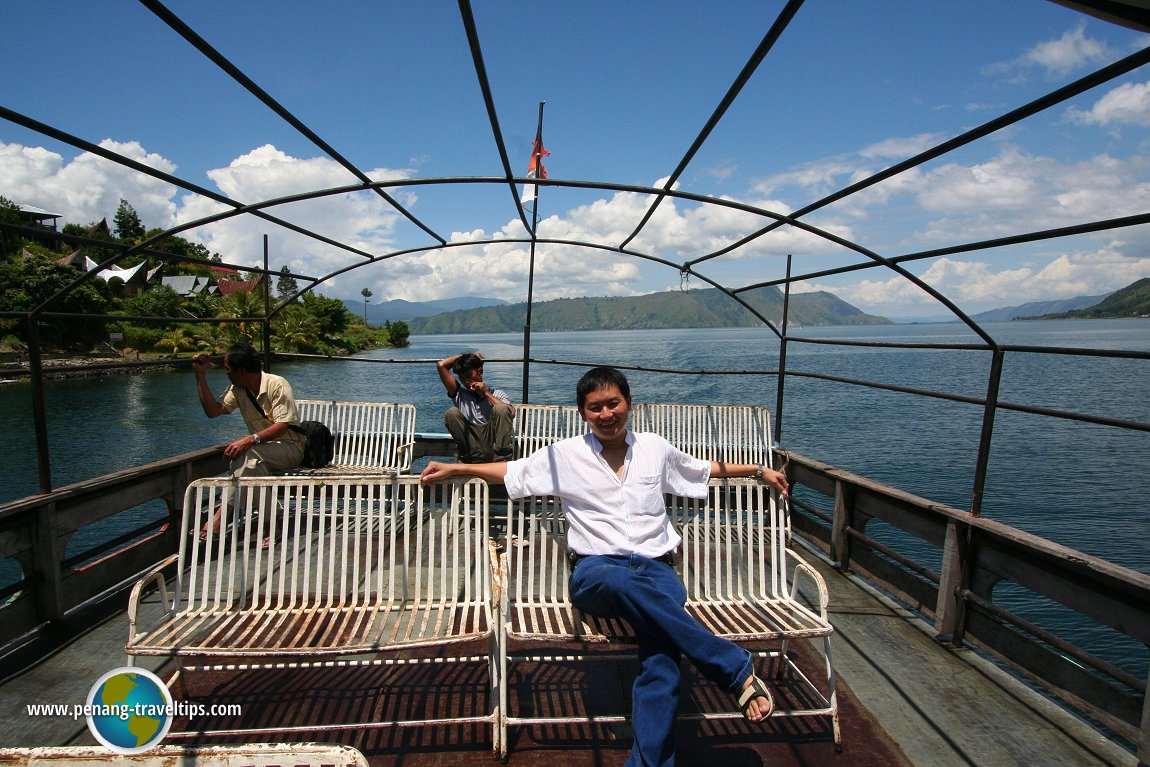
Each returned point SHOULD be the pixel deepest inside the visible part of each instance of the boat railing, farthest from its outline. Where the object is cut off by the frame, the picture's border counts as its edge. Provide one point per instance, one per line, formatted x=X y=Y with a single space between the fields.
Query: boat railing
x=36 y=532
x=977 y=556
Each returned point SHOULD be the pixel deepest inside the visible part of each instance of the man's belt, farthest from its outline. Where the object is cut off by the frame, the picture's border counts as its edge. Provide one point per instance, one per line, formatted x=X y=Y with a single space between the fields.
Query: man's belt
x=573 y=558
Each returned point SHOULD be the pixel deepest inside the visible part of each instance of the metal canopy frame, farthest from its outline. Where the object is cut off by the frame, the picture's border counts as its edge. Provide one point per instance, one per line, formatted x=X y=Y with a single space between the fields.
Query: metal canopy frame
x=1135 y=14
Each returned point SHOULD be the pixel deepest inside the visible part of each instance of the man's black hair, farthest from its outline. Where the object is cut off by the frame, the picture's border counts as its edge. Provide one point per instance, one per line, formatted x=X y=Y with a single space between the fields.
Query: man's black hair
x=243 y=357
x=600 y=378
x=467 y=361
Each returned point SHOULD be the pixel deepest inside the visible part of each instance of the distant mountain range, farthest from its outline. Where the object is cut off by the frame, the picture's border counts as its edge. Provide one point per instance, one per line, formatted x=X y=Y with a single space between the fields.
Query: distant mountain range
x=707 y=307
x=397 y=309
x=1036 y=309
x=1131 y=301
x=702 y=308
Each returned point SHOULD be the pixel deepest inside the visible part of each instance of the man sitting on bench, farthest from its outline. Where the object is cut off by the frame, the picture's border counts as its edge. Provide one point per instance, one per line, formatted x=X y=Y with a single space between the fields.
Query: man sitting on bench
x=622 y=545
x=481 y=418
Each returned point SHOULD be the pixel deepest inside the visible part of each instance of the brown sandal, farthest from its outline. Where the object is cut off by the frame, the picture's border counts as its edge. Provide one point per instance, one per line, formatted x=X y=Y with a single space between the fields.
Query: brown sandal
x=756 y=689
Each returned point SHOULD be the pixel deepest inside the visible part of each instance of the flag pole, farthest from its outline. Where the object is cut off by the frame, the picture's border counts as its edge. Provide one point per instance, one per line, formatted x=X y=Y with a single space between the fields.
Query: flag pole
x=537 y=162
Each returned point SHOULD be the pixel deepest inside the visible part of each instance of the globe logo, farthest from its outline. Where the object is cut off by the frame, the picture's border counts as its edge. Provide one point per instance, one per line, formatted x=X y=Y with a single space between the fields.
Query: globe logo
x=129 y=710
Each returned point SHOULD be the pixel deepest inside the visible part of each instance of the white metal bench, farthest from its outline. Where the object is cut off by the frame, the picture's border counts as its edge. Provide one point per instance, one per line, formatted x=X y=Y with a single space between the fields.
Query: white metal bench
x=311 y=569
x=537 y=426
x=734 y=434
x=742 y=583
x=370 y=437
x=724 y=433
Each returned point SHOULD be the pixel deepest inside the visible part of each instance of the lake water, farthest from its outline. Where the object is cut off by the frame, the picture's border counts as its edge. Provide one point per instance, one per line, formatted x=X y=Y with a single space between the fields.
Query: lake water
x=1081 y=485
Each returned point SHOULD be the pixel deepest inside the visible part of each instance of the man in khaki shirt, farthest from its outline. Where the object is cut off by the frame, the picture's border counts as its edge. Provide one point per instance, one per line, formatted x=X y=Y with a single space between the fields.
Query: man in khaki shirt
x=268 y=407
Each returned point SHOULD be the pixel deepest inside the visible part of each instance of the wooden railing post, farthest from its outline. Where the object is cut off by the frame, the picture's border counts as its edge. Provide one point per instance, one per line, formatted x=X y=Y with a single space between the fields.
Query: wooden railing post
x=951 y=620
x=47 y=560
x=840 y=540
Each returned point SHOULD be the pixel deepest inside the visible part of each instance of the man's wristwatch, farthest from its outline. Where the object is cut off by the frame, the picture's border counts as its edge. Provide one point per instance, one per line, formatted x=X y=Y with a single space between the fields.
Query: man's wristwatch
x=759 y=472
x=256 y=440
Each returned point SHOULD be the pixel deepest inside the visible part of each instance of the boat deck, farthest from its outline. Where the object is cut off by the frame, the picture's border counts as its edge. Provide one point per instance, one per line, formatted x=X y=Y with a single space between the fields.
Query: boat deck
x=905 y=700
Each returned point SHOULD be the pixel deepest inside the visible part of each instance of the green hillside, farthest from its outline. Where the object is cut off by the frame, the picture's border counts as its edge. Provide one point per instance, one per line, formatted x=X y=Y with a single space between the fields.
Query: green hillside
x=1131 y=301
x=706 y=308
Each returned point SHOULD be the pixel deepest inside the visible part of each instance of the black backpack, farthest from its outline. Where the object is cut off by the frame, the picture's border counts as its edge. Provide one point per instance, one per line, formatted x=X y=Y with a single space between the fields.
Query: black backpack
x=320 y=446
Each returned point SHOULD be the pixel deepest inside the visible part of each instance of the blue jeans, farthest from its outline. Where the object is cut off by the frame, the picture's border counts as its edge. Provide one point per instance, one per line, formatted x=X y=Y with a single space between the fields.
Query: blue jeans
x=650 y=596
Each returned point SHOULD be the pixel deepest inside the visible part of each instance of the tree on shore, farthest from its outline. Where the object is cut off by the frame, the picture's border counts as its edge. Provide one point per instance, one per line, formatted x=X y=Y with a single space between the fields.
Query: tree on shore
x=313 y=323
x=294 y=330
x=9 y=214
x=27 y=283
x=286 y=284
x=178 y=341
x=127 y=222
x=366 y=295
x=398 y=334
x=241 y=304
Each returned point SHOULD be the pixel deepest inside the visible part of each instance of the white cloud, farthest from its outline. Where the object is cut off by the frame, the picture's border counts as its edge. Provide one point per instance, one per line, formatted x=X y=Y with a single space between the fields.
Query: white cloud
x=976 y=286
x=500 y=269
x=87 y=188
x=1074 y=50
x=900 y=148
x=1010 y=193
x=1058 y=58
x=361 y=219
x=1129 y=103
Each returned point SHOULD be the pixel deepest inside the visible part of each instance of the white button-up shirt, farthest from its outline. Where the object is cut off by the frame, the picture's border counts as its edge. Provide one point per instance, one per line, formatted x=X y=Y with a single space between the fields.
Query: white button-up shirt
x=607 y=514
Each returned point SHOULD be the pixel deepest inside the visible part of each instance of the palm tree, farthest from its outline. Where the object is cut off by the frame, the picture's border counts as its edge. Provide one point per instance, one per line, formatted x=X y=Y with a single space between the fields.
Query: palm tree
x=295 y=330
x=366 y=295
x=241 y=304
x=177 y=340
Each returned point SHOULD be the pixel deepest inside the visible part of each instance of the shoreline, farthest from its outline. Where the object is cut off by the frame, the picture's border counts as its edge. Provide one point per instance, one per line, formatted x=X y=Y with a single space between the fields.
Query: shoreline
x=84 y=367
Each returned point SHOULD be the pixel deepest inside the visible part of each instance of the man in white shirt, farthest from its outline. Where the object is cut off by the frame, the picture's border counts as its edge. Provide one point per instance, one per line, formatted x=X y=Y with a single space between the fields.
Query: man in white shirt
x=621 y=544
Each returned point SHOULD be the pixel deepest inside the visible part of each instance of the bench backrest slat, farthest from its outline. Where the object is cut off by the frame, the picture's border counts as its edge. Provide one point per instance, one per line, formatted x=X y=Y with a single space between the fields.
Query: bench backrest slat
x=368 y=435
x=319 y=541
x=726 y=433
x=734 y=542
x=537 y=426
x=729 y=433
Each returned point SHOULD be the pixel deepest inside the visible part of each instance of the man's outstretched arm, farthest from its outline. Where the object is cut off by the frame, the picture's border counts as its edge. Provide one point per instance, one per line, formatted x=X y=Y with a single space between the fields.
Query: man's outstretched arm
x=439 y=472
x=775 y=479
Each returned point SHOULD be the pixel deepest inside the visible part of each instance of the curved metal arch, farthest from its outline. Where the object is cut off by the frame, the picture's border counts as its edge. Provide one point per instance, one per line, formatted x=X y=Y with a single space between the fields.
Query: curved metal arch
x=258 y=207
x=768 y=42
x=773 y=34
x=1079 y=86
x=147 y=170
x=472 y=31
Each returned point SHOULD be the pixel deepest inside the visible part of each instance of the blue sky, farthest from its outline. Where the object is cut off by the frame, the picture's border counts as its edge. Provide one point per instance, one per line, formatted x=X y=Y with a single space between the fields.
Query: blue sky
x=852 y=86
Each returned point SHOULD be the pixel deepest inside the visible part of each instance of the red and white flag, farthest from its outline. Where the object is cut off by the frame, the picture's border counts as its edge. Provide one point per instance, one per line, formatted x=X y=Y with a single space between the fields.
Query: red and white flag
x=535 y=169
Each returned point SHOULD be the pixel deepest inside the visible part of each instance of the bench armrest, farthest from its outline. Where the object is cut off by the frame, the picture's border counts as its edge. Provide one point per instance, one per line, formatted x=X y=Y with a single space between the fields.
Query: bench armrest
x=155 y=575
x=802 y=567
x=403 y=456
